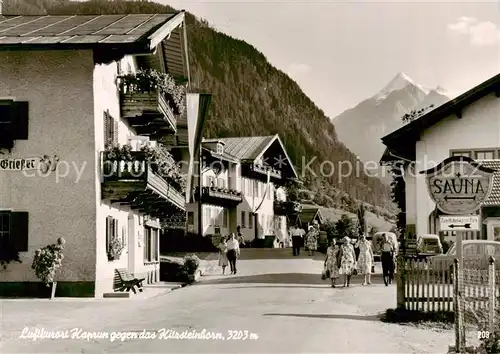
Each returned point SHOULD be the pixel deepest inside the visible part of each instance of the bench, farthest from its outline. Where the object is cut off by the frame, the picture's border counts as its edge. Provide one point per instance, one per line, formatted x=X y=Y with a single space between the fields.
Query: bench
x=126 y=281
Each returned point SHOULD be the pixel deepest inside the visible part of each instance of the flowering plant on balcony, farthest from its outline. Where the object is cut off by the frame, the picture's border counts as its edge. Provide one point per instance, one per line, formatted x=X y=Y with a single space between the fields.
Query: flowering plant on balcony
x=118 y=153
x=147 y=81
x=165 y=165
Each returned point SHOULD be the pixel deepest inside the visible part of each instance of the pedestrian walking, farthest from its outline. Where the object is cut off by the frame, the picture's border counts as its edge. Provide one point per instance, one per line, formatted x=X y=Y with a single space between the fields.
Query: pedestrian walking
x=296 y=239
x=239 y=236
x=347 y=259
x=312 y=239
x=365 y=259
x=233 y=252
x=223 y=261
x=331 y=262
x=387 y=260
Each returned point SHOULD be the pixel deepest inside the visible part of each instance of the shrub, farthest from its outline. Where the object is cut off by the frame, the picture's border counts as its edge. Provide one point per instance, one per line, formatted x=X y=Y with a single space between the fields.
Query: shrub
x=48 y=260
x=191 y=263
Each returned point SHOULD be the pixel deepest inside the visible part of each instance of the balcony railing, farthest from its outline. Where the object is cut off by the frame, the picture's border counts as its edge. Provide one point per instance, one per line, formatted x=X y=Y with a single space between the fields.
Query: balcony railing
x=286 y=207
x=148 y=112
x=136 y=183
x=260 y=172
x=219 y=196
x=265 y=169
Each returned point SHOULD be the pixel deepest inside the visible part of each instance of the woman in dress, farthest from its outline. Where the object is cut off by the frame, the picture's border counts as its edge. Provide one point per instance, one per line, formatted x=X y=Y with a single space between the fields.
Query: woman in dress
x=312 y=239
x=223 y=261
x=331 y=262
x=365 y=259
x=387 y=260
x=347 y=259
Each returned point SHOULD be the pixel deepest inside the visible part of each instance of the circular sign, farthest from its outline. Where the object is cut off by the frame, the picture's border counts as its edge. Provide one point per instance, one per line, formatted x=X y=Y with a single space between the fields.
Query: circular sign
x=459 y=185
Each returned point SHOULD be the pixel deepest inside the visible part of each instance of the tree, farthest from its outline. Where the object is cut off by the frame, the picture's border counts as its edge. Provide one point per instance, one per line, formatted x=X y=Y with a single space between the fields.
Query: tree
x=414 y=114
x=346 y=227
x=330 y=227
x=361 y=214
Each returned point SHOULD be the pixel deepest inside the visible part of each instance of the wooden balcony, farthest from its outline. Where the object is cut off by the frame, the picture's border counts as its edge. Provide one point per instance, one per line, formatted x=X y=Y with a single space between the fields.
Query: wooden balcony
x=219 y=196
x=149 y=113
x=134 y=183
x=286 y=208
x=259 y=172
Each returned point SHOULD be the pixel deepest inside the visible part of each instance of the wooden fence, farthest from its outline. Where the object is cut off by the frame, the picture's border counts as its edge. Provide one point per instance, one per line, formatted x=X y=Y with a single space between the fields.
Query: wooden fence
x=427 y=284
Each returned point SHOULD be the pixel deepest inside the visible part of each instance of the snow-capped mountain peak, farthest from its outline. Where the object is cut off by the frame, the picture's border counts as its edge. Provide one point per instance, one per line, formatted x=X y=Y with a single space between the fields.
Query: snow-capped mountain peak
x=400 y=81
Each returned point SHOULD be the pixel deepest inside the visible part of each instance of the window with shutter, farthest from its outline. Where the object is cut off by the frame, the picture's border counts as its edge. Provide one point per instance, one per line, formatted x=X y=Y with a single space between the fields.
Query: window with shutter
x=107 y=135
x=225 y=217
x=110 y=129
x=109 y=231
x=20 y=120
x=147 y=244
x=156 y=242
x=115 y=131
x=250 y=220
x=4 y=228
x=6 y=112
x=19 y=230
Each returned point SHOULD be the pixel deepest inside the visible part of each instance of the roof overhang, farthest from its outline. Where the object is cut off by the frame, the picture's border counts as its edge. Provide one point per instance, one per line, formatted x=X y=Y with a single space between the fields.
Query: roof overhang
x=164 y=31
x=289 y=164
x=224 y=157
x=107 y=49
x=403 y=140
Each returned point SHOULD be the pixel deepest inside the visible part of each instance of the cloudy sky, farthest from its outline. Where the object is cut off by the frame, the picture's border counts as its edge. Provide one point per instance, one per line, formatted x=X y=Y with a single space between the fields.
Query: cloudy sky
x=341 y=52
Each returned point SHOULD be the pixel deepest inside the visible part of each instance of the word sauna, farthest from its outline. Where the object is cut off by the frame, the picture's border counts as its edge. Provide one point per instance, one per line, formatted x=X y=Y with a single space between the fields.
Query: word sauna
x=464 y=188
x=459 y=185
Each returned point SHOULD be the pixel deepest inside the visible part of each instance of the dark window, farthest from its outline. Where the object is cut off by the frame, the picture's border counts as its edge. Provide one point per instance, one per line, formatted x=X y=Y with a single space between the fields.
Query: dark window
x=190 y=218
x=14 y=228
x=151 y=244
x=6 y=137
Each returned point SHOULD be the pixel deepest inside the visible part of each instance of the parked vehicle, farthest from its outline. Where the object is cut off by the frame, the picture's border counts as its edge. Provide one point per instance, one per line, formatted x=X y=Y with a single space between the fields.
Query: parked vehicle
x=475 y=253
x=429 y=245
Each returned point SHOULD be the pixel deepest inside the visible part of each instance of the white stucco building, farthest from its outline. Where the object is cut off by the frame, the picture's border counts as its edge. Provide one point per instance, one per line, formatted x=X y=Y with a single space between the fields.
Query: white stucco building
x=241 y=181
x=62 y=96
x=468 y=125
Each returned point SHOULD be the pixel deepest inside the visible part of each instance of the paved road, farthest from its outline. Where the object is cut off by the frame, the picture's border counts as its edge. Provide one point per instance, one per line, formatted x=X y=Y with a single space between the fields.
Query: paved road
x=282 y=304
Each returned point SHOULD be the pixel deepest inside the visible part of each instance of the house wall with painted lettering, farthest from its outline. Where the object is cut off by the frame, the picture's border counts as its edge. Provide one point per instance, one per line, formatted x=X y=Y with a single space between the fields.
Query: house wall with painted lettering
x=479 y=127
x=59 y=88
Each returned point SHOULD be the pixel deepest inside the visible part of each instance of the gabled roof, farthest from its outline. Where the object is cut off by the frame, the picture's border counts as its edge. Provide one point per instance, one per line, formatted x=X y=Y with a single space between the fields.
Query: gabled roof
x=402 y=141
x=309 y=214
x=246 y=148
x=138 y=32
x=249 y=149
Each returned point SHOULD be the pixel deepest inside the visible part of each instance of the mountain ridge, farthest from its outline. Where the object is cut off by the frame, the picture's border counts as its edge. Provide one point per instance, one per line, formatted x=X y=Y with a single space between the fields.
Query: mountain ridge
x=362 y=126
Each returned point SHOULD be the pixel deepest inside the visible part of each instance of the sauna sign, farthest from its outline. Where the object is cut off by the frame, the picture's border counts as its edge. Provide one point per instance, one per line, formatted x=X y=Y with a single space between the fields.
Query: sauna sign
x=459 y=185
